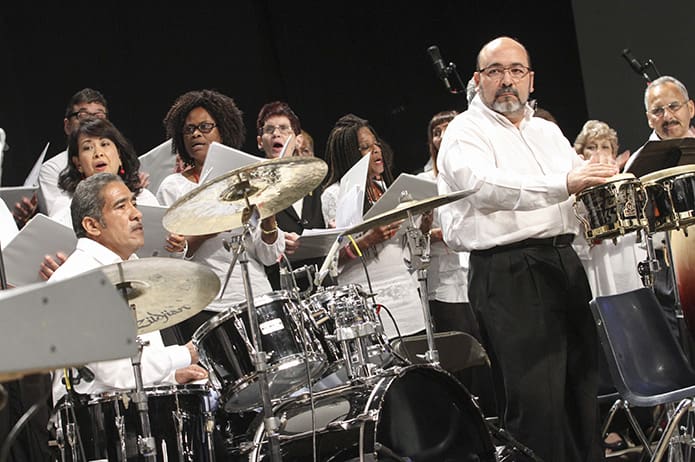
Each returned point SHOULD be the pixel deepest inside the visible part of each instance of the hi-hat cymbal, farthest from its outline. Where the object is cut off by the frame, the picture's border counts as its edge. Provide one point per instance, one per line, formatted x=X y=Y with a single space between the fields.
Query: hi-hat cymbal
x=218 y=205
x=404 y=208
x=163 y=291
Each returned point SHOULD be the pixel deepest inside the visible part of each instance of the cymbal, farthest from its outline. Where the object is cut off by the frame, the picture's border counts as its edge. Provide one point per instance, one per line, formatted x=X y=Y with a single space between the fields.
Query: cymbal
x=163 y=291
x=404 y=208
x=218 y=205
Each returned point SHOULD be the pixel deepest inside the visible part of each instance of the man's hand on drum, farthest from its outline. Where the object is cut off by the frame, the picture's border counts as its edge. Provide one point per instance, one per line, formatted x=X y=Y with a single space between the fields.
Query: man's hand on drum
x=50 y=264
x=190 y=374
x=589 y=174
x=291 y=243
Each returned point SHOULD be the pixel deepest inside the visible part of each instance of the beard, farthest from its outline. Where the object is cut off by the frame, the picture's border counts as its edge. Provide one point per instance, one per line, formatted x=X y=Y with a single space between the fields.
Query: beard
x=510 y=102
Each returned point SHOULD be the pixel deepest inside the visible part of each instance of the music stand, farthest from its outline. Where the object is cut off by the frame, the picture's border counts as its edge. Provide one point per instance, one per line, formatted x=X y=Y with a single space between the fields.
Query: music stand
x=658 y=155
x=68 y=323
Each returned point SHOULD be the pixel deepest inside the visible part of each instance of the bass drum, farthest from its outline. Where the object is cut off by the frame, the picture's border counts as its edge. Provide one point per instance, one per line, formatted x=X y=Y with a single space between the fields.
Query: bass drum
x=418 y=413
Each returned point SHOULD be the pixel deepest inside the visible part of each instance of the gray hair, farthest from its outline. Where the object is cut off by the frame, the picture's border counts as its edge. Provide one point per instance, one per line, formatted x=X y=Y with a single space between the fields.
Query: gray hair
x=88 y=200
x=662 y=80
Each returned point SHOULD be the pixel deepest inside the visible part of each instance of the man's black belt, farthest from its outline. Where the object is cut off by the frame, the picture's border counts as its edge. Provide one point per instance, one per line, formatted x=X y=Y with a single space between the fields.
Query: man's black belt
x=562 y=240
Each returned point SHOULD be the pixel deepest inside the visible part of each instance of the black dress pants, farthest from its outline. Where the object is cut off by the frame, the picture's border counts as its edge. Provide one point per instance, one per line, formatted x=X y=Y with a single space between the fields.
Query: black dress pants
x=532 y=302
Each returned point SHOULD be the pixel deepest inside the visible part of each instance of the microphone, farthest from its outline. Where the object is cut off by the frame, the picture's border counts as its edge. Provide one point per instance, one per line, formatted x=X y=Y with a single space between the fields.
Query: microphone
x=439 y=66
x=634 y=64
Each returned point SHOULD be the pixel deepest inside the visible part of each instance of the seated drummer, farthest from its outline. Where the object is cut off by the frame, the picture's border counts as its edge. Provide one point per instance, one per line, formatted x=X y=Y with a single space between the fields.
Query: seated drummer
x=109 y=229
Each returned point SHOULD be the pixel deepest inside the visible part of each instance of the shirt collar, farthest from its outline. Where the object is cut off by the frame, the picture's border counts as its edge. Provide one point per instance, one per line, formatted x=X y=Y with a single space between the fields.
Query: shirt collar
x=100 y=253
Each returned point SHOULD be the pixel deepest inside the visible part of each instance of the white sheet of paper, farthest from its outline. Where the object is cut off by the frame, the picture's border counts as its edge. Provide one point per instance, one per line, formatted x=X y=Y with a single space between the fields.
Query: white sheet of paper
x=13 y=194
x=222 y=159
x=33 y=177
x=351 y=195
x=418 y=188
x=159 y=162
x=24 y=254
x=315 y=243
x=155 y=234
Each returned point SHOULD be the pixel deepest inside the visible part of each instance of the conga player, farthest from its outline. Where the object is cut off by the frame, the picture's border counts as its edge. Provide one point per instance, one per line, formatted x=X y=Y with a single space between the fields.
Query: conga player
x=526 y=281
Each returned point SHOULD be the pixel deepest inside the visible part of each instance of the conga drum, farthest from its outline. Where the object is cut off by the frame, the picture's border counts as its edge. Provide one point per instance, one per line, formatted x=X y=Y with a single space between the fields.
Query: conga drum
x=611 y=209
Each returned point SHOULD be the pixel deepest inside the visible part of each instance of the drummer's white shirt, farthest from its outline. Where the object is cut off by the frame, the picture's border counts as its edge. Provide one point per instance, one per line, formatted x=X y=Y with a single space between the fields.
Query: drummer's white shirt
x=518 y=175
x=212 y=252
x=158 y=363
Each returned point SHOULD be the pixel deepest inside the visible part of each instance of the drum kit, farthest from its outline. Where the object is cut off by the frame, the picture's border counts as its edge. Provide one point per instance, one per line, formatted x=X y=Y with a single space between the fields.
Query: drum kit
x=662 y=201
x=294 y=376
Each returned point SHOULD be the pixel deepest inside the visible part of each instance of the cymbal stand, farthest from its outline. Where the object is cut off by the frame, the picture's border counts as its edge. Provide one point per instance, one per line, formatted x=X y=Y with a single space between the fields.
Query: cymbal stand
x=251 y=219
x=3 y=286
x=146 y=443
x=419 y=248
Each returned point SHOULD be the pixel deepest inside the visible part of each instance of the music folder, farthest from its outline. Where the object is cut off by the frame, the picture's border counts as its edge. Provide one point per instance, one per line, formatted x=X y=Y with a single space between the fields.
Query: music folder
x=47 y=326
x=159 y=163
x=663 y=154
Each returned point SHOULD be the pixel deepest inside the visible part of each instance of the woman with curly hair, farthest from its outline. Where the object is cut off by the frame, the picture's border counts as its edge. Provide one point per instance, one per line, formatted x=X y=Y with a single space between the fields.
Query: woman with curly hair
x=194 y=121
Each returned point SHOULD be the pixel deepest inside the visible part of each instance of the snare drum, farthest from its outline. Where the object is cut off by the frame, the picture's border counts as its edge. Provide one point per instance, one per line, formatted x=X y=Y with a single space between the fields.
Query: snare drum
x=107 y=426
x=612 y=209
x=226 y=349
x=671 y=198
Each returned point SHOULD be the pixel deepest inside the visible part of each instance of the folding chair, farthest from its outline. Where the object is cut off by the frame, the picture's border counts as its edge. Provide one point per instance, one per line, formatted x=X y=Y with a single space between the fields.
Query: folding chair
x=646 y=362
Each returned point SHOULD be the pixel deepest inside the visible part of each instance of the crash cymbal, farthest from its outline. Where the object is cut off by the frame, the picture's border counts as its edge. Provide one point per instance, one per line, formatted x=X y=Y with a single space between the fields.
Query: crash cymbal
x=404 y=208
x=218 y=205
x=163 y=291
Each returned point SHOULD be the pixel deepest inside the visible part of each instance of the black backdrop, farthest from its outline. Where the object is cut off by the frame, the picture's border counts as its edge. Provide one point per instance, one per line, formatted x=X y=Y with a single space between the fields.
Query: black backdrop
x=326 y=59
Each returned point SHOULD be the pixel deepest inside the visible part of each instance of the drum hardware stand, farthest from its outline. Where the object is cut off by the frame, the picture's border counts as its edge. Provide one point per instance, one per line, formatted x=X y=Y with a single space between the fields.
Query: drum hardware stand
x=648 y=267
x=3 y=286
x=251 y=219
x=146 y=442
x=419 y=248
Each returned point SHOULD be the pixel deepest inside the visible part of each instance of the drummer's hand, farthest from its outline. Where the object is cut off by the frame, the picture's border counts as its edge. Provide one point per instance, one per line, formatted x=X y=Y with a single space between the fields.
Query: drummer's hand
x=291 y=243
x=589 y=174
x=194 y=352
x=25 y=209
x=176 y=243
x=50 y=264
x=190 y=374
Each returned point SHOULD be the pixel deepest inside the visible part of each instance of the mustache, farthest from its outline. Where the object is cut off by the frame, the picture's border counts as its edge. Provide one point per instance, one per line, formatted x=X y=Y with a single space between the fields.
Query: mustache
x=506 y=90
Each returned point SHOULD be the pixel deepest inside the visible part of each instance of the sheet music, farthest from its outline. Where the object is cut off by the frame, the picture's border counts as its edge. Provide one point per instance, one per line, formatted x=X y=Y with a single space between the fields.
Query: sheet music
x=33 y=177
x=159 y=163
x=314 y=243
x=13 y=194
x=351 y=194
x=222 y=159
x=24 y=254
x=155 y=234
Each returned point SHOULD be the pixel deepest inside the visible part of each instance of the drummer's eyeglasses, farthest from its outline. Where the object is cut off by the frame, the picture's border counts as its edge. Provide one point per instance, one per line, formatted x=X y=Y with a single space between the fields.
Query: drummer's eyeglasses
x=283 y=129
x=674 y=107
x=84 y=115
x=496 y=71
x=204 y=127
